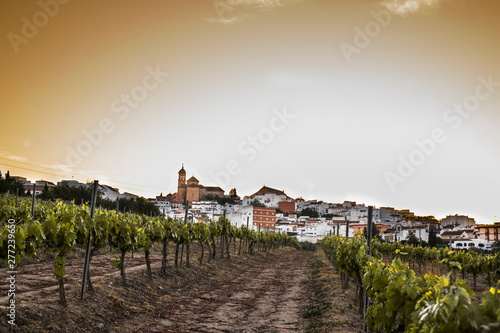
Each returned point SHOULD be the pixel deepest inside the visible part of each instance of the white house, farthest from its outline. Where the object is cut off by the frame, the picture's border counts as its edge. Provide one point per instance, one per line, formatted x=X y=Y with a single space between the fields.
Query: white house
x=287 y=225
x=466 y=243
x=207 y=207
x=315 y=228
x=267 y=196
x=318 y=206
x=400 y=233
x=244 y=216
x=127 y=195
x=109 y=192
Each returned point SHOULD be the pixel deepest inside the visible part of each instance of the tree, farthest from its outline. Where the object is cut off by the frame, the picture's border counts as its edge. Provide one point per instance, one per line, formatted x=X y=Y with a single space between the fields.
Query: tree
x=309 y=212
x=432 y=238
x=257 y=203
x=9 y=184
x=375 y=232
x=232 y=192
x=134 y=205
x=45 y=193
x=412 y=239
x=213 y=197
x=67 y=192
x=426 y=219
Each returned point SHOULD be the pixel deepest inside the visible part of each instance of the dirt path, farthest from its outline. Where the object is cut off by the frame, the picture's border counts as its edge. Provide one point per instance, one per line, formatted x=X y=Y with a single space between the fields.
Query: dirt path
x=264 y=292
x=37 y=279
x=264 y=296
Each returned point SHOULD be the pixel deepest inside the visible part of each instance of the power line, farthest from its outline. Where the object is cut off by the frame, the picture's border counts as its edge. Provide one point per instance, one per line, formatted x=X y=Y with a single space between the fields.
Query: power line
x=82 y=175
x=73 y=173
x=16 y=166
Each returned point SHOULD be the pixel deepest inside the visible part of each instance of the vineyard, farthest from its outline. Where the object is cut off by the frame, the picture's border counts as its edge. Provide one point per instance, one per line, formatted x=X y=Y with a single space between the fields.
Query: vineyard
x=159 y=274
x=61 y=228
x=57 y=232
x=393 y=298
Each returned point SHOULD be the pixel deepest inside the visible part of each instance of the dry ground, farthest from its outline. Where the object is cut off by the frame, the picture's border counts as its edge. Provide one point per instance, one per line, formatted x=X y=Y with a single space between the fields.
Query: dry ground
x=264 y=292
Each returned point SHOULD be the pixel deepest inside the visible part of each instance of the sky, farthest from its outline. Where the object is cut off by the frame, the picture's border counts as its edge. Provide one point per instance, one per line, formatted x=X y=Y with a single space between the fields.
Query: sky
x=388 y=103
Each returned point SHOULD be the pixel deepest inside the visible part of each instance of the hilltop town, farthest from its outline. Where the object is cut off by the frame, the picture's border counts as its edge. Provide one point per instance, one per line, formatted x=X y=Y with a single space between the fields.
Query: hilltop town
x=272 y=209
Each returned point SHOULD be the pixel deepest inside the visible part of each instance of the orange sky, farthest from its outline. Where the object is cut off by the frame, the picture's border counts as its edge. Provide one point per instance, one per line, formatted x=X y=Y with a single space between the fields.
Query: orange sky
x=223 y=75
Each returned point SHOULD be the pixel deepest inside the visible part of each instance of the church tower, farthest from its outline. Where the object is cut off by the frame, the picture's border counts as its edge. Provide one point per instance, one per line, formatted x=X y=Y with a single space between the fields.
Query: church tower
x=182 y=177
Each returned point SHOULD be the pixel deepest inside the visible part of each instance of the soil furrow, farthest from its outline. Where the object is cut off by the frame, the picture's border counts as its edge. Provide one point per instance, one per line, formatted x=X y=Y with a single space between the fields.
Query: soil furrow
x=264 y=297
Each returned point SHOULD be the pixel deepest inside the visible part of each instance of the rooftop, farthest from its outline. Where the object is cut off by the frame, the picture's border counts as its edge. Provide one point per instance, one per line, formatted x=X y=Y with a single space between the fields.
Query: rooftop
x=269 y=190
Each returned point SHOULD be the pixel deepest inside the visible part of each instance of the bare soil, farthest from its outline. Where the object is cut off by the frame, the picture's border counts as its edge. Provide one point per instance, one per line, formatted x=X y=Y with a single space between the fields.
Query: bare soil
x=330 y=308
x=263 y=292
x=265 y=296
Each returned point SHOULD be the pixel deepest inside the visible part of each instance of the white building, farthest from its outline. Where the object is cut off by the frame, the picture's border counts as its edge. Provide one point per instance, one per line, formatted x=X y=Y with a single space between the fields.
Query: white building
x=314 y=232
x=229 y=207
x=288 y=226
x=465 y=243
x=108 y=192
x=401 y=233
x=460 y=221
x=315 y=228
x=318 y=206
x=207 y=207
x=163 y=205
x=336 y=209
x=267 y=196
x=127 y=195
x=242 y=217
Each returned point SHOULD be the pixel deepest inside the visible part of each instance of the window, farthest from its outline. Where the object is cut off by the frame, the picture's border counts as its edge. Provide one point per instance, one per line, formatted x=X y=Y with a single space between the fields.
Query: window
x=459 y=245
x=471 y=244
x=481 y=245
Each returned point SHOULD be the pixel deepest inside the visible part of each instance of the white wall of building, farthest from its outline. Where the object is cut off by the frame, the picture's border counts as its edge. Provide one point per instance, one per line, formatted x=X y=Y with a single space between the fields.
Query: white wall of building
x=269 y=200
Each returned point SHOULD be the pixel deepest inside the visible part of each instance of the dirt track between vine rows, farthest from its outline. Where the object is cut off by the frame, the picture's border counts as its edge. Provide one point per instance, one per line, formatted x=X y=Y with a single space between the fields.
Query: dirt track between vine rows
x=265 y=296
x=36 y=279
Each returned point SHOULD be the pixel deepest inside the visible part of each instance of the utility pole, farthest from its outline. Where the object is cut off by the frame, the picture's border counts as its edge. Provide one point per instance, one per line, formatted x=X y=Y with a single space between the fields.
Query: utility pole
x=222 y=236
x=89 y=241
x=246 y=238
x=369 y=243
x=33 y=202
x=346 y=227
x=185 y=222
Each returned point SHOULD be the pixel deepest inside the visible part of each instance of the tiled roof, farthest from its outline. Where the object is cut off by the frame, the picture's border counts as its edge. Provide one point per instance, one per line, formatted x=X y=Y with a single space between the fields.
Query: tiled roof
x=269 y=190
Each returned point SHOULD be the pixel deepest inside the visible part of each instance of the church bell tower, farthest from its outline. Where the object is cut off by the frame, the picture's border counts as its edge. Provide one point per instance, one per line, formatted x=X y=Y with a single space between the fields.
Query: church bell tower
x=182 y=177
